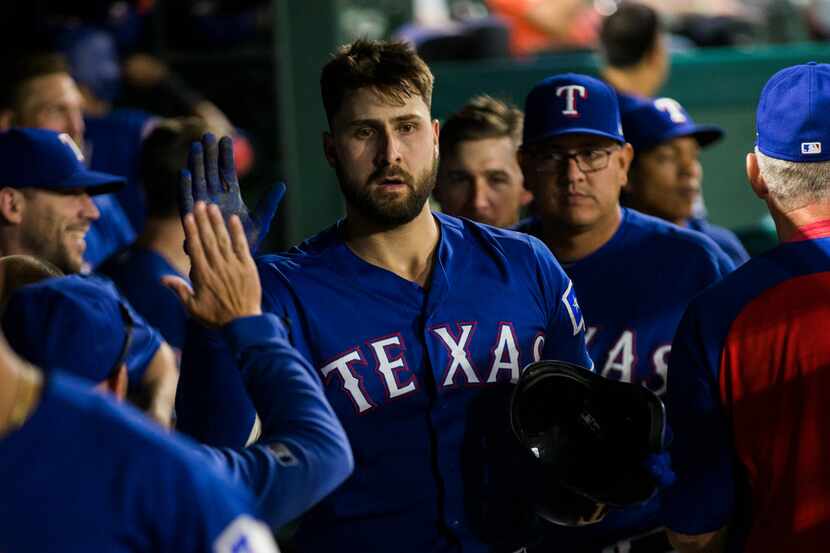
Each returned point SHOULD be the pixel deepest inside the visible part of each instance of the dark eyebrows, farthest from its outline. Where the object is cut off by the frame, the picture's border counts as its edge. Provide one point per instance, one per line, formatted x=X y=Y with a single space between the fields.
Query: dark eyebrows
x=407 y=118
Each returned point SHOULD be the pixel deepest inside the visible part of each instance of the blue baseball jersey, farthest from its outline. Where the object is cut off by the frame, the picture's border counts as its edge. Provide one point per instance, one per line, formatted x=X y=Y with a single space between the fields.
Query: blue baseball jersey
x=303 y=453
x=420 y=379
x=114 y=143
x=747 y=399
x=84 y=474
x=723 y=237
x=633 y=291
x=110 y=233
x=137 y=272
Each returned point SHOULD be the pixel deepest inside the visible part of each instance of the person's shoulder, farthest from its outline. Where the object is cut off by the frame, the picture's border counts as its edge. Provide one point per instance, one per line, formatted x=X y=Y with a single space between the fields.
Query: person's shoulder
x=506 y=239
x=670 y=238
x=311 y=251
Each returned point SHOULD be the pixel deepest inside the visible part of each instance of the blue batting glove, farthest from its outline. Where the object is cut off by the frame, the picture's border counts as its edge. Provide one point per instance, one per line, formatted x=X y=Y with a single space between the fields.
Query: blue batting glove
x=211 y=178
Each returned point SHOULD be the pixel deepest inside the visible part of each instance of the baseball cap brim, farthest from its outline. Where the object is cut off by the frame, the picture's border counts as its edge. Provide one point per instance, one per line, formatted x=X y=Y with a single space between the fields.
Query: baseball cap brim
x=704 y=134
x=94 y=182
x=576 y=130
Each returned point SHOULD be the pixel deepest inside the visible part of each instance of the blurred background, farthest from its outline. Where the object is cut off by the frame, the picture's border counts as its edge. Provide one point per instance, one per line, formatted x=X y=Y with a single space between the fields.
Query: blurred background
x=252 y=66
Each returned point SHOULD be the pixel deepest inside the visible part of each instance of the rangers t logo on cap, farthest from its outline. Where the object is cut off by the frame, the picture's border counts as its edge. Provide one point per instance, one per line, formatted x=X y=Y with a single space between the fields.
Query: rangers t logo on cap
x=570 y=98
x=672 y=107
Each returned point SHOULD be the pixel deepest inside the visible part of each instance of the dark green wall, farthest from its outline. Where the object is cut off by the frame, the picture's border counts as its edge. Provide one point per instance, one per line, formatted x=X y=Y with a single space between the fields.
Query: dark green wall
x=717 y=86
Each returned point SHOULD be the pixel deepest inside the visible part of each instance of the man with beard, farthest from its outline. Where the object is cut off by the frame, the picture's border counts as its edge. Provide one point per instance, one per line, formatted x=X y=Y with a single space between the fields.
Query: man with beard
x=417 y=323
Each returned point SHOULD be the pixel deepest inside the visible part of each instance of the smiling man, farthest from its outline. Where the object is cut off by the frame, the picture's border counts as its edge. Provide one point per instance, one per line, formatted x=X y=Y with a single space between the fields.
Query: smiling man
x=634 y=274
x=46 y=205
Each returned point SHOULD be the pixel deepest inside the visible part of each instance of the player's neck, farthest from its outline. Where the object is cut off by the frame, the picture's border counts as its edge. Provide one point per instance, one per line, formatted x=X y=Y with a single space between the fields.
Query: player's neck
x=20 y=389
x=639 y=81
x=406 y=250
x=787 y=223
x=570 y=244
x=165 y=236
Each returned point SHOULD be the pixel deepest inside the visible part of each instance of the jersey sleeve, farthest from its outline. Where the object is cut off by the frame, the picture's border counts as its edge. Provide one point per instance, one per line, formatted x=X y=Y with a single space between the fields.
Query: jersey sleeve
x=212 y=404
x=565 y=332
x=703 y=498
x=303 y=453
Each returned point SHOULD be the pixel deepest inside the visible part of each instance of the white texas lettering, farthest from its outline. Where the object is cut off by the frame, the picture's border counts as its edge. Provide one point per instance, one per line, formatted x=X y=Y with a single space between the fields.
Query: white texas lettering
x=621 y=358
x=657 y=383
x=351 y=383
x=389 y=368
x=538 y=347
x=590 y=332
x=506 y=344
x=459 y=355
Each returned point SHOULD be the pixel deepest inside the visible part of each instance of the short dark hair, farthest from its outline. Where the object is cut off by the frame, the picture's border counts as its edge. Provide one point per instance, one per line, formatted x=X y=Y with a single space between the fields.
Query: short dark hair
x=19 y=69
x=163 y=156
x=482 y=117
x=629 y=34
x=20 y=270
x=393 y=69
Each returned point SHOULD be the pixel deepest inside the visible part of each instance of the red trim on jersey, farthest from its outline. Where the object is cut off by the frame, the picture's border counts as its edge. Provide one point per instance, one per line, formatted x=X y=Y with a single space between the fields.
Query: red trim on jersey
x=819 y=229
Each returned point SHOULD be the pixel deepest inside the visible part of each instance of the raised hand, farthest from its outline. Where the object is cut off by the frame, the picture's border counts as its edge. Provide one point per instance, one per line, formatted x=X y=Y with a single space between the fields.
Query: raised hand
x=225 y=280
x=211 y=178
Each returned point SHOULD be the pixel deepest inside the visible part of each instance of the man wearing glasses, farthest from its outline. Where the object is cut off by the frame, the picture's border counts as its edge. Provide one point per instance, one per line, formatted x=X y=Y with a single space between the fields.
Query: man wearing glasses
x=633 y=274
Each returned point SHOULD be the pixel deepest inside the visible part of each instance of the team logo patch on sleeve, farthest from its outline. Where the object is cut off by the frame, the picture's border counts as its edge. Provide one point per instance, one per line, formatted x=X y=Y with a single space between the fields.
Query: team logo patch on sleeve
x=245 y=535
x=572 y=307
x=284 y=455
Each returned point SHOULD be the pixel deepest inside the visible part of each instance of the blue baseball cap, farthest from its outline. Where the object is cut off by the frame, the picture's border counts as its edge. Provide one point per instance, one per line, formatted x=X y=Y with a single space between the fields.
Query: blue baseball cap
x=70 y=323
x=571 y=104
x=39 y=158
x=792 y=119
x=648 y=122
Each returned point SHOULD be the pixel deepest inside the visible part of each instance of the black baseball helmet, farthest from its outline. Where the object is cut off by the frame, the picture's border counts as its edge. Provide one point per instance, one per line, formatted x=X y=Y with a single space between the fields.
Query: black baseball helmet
x=589 y=437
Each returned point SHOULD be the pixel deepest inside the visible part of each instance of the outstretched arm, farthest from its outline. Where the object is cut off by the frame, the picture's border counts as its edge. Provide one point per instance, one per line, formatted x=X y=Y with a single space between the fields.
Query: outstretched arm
x=303 y=453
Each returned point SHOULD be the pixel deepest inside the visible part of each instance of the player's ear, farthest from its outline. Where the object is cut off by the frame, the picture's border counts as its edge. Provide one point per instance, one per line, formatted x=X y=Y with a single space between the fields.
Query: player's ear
x=12 y=205
x=624 y=160
x=329 y=149
x=753 y=174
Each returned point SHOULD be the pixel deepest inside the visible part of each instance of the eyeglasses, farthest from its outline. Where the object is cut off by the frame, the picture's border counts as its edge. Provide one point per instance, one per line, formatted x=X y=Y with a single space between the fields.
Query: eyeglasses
x=588 y=160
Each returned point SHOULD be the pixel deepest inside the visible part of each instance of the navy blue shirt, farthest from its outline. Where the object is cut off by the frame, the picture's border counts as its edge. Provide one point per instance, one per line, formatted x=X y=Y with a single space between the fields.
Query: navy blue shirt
x=633 y=291
x=723 y=237
x=137 y=272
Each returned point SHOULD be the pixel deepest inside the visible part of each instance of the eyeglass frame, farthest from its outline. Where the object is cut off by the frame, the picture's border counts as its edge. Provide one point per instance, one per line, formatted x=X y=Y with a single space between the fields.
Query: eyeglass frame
x=567 y=155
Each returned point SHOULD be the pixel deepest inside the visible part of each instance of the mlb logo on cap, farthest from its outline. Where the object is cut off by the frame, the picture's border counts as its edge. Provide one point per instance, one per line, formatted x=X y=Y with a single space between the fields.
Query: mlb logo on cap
x=792 y=119
x=811 y=148
x=571 y=104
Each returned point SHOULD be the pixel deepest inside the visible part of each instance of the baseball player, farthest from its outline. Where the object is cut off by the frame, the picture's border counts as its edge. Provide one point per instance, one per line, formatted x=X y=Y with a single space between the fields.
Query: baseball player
x=417 y=323
x=748 y=375
x=39 y=92
x=46 y=209
x=634 y=274
x=665 y=176
x=138 y=490
x=302 y=453
x=478 y=175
